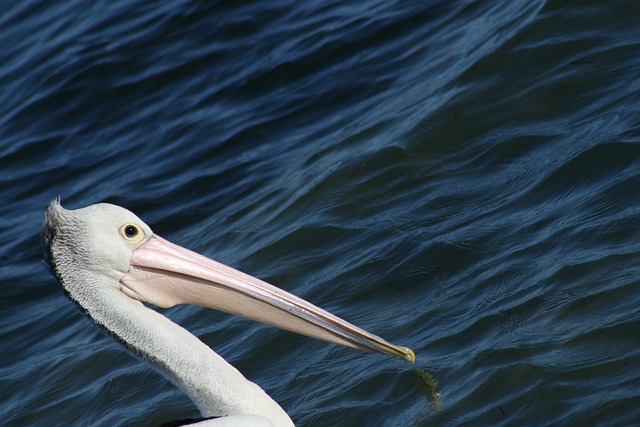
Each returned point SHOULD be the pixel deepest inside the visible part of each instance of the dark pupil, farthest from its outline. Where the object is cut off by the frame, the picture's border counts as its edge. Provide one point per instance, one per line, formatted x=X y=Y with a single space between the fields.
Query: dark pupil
x=130 y=231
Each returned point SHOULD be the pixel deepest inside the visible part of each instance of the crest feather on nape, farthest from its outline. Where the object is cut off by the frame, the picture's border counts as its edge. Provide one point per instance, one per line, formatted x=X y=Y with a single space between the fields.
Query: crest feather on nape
x=48 y=236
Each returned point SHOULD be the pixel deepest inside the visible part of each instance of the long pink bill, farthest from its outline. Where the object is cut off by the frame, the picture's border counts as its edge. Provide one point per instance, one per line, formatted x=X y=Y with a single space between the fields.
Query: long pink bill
x=165 y=274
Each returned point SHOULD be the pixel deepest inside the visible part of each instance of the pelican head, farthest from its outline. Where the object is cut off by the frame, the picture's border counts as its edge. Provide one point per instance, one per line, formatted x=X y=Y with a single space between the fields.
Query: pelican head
x=116 y=253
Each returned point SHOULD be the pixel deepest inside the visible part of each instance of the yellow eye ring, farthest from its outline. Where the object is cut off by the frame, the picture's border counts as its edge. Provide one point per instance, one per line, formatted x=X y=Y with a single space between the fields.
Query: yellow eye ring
x=131 y=233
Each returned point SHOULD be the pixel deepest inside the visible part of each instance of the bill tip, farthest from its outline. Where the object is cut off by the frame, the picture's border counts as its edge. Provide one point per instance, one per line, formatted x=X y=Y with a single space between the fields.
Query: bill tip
x=409 y=356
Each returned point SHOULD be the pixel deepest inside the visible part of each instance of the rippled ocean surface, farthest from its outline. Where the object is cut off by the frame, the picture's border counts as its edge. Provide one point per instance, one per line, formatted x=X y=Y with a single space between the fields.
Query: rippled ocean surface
x=461 y=177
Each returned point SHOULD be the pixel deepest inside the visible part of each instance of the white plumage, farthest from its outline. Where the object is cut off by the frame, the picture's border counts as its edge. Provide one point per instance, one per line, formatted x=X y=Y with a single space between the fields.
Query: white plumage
x=109 y=262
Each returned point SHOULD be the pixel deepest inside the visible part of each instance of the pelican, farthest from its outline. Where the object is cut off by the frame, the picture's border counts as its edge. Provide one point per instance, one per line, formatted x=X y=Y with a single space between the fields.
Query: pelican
x=110 y=263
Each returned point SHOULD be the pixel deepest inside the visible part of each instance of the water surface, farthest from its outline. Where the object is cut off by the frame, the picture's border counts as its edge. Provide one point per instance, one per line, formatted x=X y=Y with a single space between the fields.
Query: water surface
x=457 y=176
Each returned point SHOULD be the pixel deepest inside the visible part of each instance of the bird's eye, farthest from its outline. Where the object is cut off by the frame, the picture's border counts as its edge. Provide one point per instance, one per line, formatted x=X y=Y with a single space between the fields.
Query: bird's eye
x=131 y=233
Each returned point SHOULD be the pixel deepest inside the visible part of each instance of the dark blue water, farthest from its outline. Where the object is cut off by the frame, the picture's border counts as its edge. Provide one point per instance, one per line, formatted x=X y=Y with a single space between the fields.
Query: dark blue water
x=461 y=177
